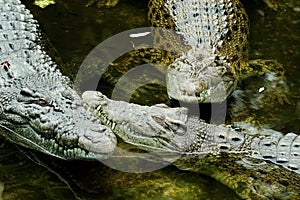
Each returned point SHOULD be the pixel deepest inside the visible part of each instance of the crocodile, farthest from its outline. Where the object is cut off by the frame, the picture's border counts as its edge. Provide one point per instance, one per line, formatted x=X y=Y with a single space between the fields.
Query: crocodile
x=39 y=109
x=210 y=149
x=178 y=132
x=213 y=41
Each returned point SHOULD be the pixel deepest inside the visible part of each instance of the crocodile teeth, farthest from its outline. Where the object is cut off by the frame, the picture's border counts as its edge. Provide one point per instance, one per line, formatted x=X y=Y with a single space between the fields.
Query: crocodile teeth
x=113 y=125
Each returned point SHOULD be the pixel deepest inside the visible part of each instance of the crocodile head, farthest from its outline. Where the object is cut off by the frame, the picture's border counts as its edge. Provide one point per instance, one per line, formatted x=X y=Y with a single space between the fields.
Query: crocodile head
x=42 y=112
x=156 y=127
x=200 y=76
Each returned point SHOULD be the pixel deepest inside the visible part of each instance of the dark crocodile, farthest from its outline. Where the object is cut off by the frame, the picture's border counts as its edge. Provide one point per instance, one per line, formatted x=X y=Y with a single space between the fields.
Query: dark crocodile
x=207 y=53
x=39 y=109
x=212 y=37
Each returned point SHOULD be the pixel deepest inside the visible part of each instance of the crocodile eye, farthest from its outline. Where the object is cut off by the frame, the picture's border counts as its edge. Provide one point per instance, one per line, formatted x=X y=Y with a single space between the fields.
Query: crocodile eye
x=42 y=102
x=159 y=119
x=68 y=95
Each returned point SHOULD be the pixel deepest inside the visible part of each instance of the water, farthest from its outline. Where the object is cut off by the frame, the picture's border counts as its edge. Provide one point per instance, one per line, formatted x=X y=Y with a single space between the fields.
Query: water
x=74 y=30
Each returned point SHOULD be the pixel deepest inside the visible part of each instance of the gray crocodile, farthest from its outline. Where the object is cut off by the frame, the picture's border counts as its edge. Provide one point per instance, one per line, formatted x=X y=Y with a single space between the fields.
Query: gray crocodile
x=160 y=127
x=39 y=109
x=231 y=154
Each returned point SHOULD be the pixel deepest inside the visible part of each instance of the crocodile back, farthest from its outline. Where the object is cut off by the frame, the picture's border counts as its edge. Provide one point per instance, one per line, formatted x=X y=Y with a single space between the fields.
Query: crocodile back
x=219 y=25
x=20 y=41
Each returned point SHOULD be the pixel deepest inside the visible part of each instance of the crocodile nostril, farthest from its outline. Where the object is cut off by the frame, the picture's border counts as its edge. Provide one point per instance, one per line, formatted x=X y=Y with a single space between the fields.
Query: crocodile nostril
x=235 y=139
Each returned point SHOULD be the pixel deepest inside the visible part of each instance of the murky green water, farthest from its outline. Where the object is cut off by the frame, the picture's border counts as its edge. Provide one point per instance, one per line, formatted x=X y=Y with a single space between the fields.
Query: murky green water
x=74 y=30
x=276 y=35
